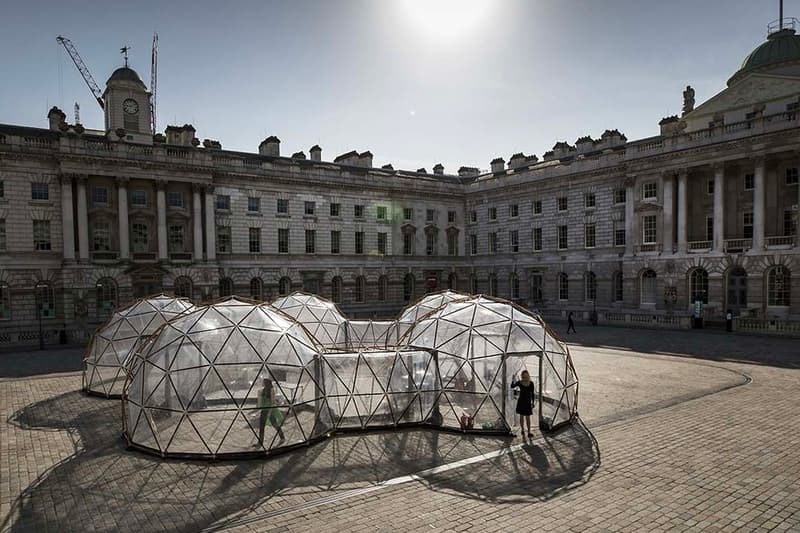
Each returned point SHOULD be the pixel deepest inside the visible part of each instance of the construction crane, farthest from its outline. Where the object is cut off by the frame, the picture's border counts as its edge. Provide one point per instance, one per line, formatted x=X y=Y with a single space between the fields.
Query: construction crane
x=83 y=69
x=153 y=82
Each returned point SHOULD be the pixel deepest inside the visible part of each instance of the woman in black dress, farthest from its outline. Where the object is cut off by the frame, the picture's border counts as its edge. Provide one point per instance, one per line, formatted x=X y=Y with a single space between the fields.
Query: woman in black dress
x=524 y=401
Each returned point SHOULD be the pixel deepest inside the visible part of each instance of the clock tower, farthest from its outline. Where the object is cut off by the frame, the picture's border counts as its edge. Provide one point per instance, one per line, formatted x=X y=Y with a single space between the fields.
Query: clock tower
x=127 y=106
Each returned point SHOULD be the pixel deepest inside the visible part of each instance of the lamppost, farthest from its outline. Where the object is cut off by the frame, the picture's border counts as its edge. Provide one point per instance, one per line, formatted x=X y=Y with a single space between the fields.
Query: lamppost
x=40 y=286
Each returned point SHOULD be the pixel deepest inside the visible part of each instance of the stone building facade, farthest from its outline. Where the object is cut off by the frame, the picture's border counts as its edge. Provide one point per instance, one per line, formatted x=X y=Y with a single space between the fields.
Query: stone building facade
x=705 y=211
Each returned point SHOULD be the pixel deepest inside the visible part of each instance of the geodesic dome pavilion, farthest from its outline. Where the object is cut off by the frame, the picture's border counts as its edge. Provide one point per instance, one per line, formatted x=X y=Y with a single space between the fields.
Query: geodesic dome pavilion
x=116 y=341
x=430 y=302
x=320 y=317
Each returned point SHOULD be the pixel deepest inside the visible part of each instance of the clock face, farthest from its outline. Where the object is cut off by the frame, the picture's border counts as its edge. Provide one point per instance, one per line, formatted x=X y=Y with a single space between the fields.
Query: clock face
x=130 y=106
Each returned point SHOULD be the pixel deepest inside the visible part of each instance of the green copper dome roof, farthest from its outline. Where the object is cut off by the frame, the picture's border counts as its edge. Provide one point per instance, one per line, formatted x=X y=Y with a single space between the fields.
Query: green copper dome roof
x=781 y=47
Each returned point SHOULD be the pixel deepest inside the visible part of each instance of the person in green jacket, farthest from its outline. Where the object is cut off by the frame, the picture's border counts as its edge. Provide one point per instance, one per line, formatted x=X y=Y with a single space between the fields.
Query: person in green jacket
x=269 y=413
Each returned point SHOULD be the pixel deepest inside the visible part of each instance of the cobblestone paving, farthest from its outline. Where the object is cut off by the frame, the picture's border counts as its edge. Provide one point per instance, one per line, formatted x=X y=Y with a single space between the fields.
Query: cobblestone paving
x=684 y=442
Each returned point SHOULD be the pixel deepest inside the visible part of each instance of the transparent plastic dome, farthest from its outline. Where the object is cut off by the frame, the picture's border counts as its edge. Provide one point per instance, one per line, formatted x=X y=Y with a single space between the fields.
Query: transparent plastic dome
x=115 y=342
x=430 y=302
x=233 y=377
x=320 y=316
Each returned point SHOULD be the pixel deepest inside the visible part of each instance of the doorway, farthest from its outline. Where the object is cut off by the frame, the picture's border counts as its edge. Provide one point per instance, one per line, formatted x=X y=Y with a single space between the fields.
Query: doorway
x=737 y=290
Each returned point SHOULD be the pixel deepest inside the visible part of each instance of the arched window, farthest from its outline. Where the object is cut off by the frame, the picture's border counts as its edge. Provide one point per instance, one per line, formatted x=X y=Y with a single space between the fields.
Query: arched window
x=563 y=286
x=256 y=289
x=5 y=302
x=473 y=284
x=225 y=287
x=492 y=285
x=336 y=289
x=183 y=287
x=361 y=289
x=284 y=286
x=698 y=285
x=778 y=285
x=408 y=287
x=45 y=300
x=590 y=286
x=647 y=290
x=383 y=288
x=513 y=282
x=106 y=297
x=616 y=286
x=452 y=281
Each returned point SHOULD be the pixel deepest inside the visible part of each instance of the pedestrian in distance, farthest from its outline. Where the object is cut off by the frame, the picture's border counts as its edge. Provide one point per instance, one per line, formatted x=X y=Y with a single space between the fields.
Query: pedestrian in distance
x=269 y=414
x=524 y=400
x=570 y=323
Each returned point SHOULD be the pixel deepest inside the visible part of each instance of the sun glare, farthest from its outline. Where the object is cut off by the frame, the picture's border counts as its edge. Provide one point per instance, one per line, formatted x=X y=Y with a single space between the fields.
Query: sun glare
x=446 y=19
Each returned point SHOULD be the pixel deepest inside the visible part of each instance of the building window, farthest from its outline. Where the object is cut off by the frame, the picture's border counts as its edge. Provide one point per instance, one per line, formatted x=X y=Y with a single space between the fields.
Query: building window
x=101 y=237
x=336 y=289
x=100 y=196
x=452 y=281
x=408 y=213
x=175 y=238
x=383 y=288
x=710 y=186
x=650 y=191
x=430 y=243
x=361 y=289
x=452 y=244
x=698 y=285
x=537 y=207
x=589 y=235
x=513 y=210
x=408 y=287
x=309 y=208
x=473 y=216
x=616 y=286
x=473 y=285
x=105 y=297
x=563 y=287
x=789 y=225
x=648 y=287
x=140 y=237
x=175 y=199
x=40 y=191
x=791 y=176
x=254 y=240
x=749 y=182
x=430 y=215
x=619 y=196
x=649 y=229
x=282 y=206
x=589 y=200
x=493 y=242
x=537 y=288
x=336 y=210
x=408 y=244
x=41 y=235
x=778 y=285
x=562 y=237
x=492 y=285
x=253 y=204
x=225 y=287
x=359 y=241
x=562 y=203
x=381 y=212
x=138 y=198
x=451 y=217
x=382 y=243
x=311 y=241
x=223 y=202
x=747 y=225
x=183 y=287
x=336 y=239
x=473 y=244
x=358 y=211
x=590 y=286
x=619 y=233
x=513 y=285
x=223 y=239
x=284 y=286
x=46 y=300
x=2 y=189
x=537 y=239
x=709 y=228
x=513 y=237
x=492 y=213
x=2 y=234
x=256 y=289
x=283 y=240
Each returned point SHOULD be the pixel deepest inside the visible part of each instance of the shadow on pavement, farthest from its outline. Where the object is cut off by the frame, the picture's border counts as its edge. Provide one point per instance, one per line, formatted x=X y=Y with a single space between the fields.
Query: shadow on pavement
x=105 y=487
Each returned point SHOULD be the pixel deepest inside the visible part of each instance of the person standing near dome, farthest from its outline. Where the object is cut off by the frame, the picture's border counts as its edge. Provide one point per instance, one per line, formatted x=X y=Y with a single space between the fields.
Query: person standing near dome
x=524 y=401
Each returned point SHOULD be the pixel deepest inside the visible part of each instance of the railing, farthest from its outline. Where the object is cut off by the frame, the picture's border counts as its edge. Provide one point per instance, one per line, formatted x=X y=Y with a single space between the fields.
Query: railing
x=252 y=163
x=699 y=246
x=646 y=319
x=780 y=241
x=738 y=245
x=98 y=145
x=180 y=153
x=653 y=145
x=29 y=335
x=648 y=247
x=38 y=142
x=180 y=257
x=140 y=149
x=143 y=256
x=733 y=127
x=104 y=255
x=760 y=325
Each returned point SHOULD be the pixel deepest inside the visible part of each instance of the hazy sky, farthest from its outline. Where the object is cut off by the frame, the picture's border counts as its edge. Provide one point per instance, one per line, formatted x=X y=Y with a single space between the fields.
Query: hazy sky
x=415 y=81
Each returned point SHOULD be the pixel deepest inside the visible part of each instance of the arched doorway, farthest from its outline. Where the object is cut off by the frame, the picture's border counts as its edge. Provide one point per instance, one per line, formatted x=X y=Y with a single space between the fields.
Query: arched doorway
x=737 y=290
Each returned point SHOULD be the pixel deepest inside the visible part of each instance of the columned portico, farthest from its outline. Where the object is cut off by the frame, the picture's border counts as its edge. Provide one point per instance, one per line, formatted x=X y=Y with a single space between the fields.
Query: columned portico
x=197 y=222
x=683 y=215
x=719 y=207
x=161 y=207
x=83 y=221
x=67 y=218
x=669 y=220
x=758 y=203
x=211 y=225
x=124 y=230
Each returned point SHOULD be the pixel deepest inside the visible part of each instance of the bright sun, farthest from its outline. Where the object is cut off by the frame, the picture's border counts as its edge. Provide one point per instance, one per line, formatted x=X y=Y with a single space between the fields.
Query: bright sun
x=447 y=19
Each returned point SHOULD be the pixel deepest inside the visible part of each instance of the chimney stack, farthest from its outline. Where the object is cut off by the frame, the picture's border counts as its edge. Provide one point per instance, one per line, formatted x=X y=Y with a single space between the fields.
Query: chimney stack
x=270 y=146
x=316 y=153
x=438 y=169
x=498 y=164
x=365 y=159
x=466 y=172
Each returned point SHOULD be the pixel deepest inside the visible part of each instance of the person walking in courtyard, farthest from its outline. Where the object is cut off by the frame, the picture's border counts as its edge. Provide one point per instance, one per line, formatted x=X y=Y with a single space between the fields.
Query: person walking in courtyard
x=269 y=413
x=570 y=323
x=524 y=401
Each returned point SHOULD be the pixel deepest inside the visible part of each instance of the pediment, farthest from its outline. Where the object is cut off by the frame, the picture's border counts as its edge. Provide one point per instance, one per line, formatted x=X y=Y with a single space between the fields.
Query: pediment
x=752 y=90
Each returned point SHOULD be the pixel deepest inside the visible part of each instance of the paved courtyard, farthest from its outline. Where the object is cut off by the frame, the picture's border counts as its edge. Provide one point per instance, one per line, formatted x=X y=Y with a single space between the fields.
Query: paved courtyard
x=683 y=430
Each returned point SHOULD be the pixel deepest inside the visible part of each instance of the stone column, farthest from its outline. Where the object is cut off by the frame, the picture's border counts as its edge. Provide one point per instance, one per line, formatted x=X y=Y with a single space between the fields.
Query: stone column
x=197 y=222
x=161 y=207
x=669 y=221
x=758 y=203
x=683 y=211
x=719 y=207
x=67 y=218
x=83 y=221
x=211 y=225
x=124 y=227
x=630 y=236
